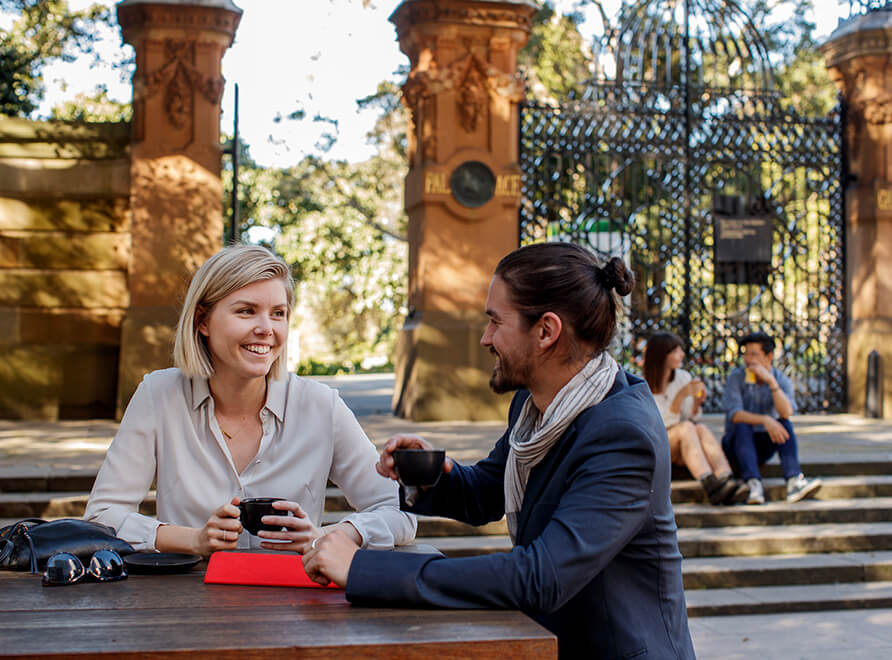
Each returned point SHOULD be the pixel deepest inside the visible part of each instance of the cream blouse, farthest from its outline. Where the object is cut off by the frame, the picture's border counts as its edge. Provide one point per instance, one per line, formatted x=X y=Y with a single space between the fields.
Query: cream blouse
x=170 y=434
x=664 y=400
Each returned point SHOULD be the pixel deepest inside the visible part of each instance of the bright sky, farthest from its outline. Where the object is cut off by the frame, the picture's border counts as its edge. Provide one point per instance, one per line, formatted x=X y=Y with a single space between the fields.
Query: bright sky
x=316 y=55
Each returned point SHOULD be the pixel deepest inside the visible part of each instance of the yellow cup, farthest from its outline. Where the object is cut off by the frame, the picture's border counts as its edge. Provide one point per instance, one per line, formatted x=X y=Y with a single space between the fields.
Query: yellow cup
x=750 y=377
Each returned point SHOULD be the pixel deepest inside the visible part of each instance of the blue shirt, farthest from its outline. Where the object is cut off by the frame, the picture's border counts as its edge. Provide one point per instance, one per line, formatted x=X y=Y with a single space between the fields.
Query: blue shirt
x=753 y=397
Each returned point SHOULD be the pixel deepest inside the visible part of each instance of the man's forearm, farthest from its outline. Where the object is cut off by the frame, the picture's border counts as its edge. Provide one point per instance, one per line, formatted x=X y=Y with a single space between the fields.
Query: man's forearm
x=781 y=403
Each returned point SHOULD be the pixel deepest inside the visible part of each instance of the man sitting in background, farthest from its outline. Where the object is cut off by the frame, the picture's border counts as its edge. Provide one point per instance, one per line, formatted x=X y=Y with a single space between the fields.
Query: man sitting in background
x=759 y=402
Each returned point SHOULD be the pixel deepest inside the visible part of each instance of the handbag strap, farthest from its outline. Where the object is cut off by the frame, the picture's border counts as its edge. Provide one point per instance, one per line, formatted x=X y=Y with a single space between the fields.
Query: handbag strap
x=22 y=527
x=33 y=551
x=10 y=529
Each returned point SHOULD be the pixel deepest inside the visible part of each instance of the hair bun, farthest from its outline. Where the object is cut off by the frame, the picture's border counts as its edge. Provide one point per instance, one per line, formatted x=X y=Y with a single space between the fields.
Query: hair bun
x=616 y=276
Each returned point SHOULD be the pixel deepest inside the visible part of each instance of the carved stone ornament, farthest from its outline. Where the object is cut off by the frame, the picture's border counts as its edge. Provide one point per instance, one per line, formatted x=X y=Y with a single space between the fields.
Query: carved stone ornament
x=179 y=80
x=878 y=111
x=473 y=81
x=416 y=89
x=473 y=97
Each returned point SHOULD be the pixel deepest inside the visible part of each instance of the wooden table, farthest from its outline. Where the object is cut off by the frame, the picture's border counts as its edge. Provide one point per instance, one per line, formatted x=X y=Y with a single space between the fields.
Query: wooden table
x=179 y=616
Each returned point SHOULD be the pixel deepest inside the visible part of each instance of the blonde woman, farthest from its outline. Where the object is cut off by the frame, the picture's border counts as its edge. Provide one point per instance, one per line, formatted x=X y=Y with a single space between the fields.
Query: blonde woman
x=679 y=397
x=229 y=422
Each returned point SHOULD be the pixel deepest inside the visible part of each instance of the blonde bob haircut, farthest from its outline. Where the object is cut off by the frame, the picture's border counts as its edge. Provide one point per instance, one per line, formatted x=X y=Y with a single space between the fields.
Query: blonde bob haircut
x=227 y=271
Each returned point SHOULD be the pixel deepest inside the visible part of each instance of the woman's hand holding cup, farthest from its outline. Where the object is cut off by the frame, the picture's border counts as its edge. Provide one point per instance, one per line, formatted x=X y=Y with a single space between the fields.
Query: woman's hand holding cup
x=698 y=390
x=221 y=531
x=298 y=534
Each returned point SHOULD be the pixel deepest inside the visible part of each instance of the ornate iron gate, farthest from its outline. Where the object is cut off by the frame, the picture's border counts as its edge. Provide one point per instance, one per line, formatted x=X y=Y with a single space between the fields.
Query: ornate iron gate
x=642 y=167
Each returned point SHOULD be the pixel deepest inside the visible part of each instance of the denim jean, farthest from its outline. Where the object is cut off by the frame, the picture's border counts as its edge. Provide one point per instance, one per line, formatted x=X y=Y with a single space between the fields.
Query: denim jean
x=747 y=450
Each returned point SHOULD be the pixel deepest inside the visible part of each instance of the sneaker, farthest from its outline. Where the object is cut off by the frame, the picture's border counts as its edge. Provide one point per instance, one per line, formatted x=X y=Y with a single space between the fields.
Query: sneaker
x=798 y=487
x=757 y=493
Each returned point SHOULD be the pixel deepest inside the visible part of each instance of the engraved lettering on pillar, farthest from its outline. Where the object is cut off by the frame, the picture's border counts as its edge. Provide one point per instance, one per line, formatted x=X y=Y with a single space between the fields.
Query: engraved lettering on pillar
x=508 y=185
x=436 y=183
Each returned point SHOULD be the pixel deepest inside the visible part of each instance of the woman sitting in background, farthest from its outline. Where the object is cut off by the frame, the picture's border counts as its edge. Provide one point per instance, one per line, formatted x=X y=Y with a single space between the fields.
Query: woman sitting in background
x=679 y=398
x=229 y=422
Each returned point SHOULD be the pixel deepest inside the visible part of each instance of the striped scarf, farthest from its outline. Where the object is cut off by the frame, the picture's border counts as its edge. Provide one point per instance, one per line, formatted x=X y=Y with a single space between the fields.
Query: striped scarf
x=533 y=437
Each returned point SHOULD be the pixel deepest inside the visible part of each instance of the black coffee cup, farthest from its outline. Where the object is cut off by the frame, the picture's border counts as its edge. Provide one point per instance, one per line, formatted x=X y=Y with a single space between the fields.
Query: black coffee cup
x=252 y=509
x=419 y=467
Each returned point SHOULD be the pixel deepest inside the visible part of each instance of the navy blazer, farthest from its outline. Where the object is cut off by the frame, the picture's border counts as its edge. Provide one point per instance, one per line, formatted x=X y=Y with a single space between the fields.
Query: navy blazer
x=596 y=560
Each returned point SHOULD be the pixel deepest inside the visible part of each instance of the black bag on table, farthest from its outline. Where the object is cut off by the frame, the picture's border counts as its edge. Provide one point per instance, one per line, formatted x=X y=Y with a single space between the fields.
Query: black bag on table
x=28 y=543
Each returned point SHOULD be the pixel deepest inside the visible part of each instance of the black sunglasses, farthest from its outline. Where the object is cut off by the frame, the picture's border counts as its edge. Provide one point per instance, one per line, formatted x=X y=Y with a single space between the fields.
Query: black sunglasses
x=65 y=568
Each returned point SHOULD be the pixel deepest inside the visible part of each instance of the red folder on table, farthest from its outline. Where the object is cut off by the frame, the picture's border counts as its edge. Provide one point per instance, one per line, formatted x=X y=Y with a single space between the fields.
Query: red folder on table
x=259 y=568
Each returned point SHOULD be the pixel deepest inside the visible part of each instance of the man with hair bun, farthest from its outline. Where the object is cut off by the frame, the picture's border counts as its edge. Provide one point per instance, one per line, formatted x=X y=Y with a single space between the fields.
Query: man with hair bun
x=582 y=475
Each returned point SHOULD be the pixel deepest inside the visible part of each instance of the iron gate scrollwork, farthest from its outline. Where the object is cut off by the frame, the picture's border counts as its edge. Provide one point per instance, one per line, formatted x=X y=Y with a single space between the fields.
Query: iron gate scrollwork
x=633 y=167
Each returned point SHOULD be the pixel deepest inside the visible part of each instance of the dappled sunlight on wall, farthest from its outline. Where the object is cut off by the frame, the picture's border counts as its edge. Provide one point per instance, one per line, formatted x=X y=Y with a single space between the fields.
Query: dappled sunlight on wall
x=64 y=252
x=177 y=224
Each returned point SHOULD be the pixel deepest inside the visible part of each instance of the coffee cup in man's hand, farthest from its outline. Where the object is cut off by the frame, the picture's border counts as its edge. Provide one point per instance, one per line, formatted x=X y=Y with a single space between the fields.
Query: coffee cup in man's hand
x=252 y=509
x=419 y=467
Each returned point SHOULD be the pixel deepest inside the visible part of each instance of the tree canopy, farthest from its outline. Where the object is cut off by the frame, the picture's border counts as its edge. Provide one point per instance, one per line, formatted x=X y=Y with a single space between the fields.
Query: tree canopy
x=342 y=228
x=42 y=31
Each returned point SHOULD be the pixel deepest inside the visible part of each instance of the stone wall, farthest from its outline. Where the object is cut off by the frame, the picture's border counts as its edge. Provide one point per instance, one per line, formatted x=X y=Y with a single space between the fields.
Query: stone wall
x=64 y=254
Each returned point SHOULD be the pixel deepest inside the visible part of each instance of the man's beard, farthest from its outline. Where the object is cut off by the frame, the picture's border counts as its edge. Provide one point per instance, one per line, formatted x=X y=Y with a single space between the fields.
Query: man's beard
x=507 y=378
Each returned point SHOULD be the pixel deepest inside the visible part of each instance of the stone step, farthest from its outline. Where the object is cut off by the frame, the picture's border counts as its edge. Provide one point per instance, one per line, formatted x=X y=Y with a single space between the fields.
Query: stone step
x=683 y=490
x=71 y=504
x=867 y=463
x=49 y=479
x=44 y=480
x=797 y=598
x=15 y=506
x=335 y=500
x=806 y=512
x=711 y=573
x=60 y=504
x=864 y=510
x=750 y=540
x=739 y=541
x=830 y=530
x=833 y=488
x=431 y=528
x=468 y=546
x=775 y=570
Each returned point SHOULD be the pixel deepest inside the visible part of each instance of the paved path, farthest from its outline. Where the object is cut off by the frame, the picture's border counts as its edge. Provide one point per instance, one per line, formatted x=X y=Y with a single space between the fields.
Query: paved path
x=61 y=447
x=827 y=635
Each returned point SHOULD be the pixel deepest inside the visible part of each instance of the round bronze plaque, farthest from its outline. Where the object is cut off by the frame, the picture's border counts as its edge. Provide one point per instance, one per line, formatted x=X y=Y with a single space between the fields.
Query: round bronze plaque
x=473 y=184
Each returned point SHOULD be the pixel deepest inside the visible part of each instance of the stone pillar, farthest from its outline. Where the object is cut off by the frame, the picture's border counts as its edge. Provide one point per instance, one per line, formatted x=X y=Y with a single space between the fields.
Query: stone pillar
x=858 y=55
x=462 y=196
x=176 y=195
